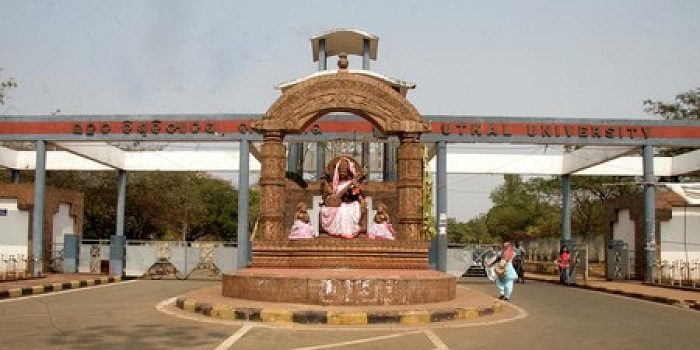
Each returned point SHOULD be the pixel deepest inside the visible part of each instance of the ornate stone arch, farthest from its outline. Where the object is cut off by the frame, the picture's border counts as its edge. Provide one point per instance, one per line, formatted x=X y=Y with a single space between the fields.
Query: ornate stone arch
x=367 y=97
x=341 y=91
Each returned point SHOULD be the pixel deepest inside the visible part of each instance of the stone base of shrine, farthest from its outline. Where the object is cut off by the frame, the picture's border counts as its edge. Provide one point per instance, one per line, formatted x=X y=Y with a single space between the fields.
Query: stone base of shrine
x=333 y=253
x=340 y=286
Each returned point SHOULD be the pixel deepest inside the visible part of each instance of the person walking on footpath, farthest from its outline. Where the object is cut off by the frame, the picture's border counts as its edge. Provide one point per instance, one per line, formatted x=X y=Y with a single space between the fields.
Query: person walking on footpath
x=505 y=273
x=564 y=262
x=519 y=262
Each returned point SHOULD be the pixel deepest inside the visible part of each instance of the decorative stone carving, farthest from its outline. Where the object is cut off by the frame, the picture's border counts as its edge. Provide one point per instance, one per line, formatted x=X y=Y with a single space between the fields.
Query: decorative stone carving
x=299 y=106
x=272 y=195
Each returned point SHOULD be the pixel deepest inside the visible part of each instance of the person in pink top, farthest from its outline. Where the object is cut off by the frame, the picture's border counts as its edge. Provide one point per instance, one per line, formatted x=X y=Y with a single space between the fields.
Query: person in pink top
x=504 y=280
x=564 y=262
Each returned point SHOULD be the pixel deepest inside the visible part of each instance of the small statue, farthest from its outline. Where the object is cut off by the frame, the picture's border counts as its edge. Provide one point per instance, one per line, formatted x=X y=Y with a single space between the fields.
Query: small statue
x=381 y=228
x=302 y=228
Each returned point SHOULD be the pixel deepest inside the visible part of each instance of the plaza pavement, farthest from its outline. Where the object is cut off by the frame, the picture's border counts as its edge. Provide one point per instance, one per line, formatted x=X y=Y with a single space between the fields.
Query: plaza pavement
x=469 y=304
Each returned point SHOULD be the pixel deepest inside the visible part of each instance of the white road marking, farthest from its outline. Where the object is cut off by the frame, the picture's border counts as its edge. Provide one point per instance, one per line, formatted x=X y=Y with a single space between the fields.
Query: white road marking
x=167 y=307
x=439 y=345
x=358 y=341
x=234 y=338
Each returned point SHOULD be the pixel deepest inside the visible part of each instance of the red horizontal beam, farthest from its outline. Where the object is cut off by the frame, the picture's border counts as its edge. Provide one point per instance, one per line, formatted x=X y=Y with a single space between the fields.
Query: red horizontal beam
x=485 y=129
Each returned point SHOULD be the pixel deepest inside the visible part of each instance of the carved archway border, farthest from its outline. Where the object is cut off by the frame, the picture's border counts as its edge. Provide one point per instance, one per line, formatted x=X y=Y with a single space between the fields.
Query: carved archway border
x=373 y=100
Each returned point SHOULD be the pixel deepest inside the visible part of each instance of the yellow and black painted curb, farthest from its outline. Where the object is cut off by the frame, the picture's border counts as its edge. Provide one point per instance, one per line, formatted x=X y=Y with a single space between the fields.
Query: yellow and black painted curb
x=55 y=287
x=655 y=298
x=335 y=317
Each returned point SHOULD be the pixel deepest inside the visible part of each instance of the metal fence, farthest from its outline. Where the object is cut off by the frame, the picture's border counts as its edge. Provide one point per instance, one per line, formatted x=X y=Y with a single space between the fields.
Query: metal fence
x=680 y=273
x=182 y=260
x=14 y=266
x=161 y=259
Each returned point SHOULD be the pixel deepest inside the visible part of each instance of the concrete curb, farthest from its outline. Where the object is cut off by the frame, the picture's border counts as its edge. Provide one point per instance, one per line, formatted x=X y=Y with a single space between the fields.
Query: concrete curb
x=648 y=297
x=335 y=317
x=55 y=287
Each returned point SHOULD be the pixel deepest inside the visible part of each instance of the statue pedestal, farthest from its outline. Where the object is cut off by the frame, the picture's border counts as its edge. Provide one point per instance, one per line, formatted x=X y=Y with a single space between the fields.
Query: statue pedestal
x=331 y=252
x=340 y=286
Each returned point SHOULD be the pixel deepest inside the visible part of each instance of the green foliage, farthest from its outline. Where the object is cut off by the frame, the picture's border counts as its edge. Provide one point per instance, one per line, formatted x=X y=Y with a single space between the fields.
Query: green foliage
x=588 y=196
x=533 y=208
x=166 y=203
x=518 y=208
x=428 y=217
x=220 y=200
x=473 y=231
x=160 y=205
x=5 y=87
x=686 y=106
x=100 y=198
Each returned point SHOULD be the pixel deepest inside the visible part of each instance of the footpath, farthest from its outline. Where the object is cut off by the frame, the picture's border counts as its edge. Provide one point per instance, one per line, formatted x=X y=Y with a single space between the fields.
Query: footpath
x=677 y=296
x=16 y=288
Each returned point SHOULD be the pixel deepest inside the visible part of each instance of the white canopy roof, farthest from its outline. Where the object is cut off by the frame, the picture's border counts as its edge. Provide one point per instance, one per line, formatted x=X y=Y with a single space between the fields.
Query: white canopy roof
x=350 y=41
x=689 y=191
x=592 y=160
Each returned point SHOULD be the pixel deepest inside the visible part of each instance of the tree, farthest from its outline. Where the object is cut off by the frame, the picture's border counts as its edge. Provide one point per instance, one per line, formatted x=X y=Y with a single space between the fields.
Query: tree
x=518 y=208
x=5 y=87
x=687 y=106
x=473 y=231
x=160 y=205
x=589 y=195
x=99 y=191
x=221 y=216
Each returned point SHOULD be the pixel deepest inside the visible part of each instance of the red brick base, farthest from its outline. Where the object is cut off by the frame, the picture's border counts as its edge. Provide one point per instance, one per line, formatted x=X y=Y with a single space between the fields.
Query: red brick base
x=340 y=286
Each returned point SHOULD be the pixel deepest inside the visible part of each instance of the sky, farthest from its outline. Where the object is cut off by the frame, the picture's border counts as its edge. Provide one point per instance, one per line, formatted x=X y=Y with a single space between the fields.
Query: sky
x=494 y=58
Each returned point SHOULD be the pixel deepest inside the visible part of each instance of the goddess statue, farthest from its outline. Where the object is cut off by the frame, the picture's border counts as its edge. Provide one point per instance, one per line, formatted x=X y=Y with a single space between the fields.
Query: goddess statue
x=343 y=200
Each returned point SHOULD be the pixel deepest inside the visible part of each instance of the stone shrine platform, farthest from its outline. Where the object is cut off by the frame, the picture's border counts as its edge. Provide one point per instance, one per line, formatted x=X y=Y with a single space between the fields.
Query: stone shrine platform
x=340 y=286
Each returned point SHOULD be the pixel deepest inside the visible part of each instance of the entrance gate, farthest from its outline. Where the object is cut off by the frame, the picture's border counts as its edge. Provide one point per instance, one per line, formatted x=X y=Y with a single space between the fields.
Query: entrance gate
x=309 y=115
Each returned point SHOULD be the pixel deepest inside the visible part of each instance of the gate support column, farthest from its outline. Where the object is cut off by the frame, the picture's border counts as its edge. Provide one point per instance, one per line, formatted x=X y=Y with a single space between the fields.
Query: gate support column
x=322 y=61
x=71 y=253
x=293 y=158
x=37 y=258
x=389 y=162
x=566 y=210
x=243 y=256
x=441 y=194
x=116 y=251
x=649 y=212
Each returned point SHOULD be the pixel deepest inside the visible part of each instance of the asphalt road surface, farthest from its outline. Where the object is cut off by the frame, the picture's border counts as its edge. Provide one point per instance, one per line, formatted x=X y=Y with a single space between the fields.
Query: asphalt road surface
x=137 y=315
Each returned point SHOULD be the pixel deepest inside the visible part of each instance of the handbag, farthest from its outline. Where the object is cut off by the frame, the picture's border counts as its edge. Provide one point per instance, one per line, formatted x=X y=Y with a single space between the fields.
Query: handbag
x=500 y=269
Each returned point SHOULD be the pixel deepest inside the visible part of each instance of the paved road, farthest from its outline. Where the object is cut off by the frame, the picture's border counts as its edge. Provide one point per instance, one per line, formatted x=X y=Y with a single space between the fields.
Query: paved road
x=546 y=316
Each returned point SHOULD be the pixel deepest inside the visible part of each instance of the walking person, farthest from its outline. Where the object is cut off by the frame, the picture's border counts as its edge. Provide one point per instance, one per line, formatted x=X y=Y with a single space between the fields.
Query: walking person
x=505 y=273
x=519 y=262
x=564 y=262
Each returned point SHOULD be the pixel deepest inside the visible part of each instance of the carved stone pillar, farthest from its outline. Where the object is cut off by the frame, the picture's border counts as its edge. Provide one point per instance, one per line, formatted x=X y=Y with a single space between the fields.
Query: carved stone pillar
x=272 y=186
x=409 y=188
